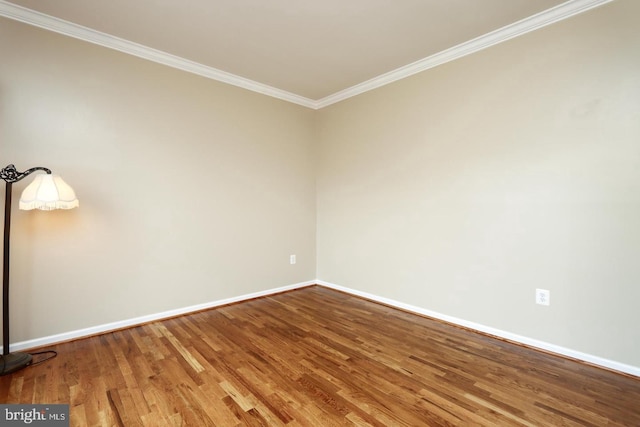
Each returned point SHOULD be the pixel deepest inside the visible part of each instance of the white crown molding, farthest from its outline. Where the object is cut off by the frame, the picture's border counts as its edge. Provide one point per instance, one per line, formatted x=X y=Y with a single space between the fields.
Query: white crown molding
x=532 y=23
x=41 y=20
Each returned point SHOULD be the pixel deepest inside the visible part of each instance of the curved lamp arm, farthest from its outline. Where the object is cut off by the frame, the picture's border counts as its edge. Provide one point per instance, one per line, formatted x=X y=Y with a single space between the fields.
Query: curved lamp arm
x=11 y=175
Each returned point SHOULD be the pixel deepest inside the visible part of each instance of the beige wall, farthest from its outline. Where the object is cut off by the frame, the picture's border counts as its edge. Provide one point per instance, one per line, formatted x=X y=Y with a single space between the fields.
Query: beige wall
x=190 y=190
x=464 y=188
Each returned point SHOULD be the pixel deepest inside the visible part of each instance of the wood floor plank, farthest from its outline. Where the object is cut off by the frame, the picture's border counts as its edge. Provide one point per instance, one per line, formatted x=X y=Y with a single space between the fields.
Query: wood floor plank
x=318 y=357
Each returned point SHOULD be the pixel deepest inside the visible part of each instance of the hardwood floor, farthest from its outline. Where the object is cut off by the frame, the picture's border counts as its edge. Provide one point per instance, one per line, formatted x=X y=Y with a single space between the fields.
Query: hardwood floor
x=317 y=357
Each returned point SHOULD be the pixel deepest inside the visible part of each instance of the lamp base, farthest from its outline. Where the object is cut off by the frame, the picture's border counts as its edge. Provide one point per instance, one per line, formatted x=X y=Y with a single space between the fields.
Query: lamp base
x=14 y=362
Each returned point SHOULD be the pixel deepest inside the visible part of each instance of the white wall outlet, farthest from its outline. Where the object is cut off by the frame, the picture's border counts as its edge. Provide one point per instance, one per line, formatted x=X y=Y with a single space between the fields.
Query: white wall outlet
x=543 y=297
x=292 y=259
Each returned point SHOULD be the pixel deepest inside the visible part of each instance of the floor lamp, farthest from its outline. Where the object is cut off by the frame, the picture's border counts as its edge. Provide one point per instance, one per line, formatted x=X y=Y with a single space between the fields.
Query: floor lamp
x=46 y=192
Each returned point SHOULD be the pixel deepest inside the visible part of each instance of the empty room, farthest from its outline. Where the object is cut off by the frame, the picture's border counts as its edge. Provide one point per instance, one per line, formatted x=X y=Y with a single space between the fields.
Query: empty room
x=370 y=213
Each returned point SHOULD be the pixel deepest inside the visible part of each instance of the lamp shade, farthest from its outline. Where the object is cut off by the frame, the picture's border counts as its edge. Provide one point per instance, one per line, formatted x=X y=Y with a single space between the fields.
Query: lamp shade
x=48 y=192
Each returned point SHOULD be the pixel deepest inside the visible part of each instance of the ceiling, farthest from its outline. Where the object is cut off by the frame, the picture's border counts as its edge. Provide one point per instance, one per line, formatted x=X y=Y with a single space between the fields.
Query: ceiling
x=313 y=53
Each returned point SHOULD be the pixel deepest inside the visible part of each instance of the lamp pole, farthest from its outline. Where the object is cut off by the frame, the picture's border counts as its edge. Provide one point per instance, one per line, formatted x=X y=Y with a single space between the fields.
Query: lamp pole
x=11 y=361
x=5 y=269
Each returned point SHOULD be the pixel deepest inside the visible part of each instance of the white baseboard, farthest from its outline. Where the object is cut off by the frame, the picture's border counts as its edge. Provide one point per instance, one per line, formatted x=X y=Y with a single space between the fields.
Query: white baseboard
x=100 y=329
x=595 y=360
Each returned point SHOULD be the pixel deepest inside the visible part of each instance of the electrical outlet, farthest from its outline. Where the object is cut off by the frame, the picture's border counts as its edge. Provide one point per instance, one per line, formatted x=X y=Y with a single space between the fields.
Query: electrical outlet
x=292 y=259
x=543 y=297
